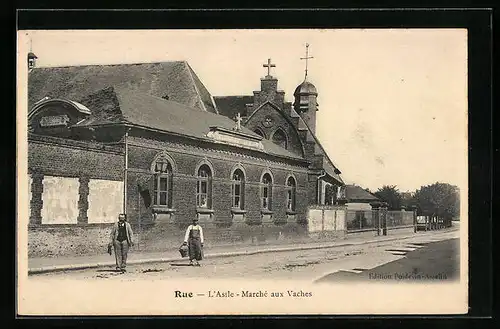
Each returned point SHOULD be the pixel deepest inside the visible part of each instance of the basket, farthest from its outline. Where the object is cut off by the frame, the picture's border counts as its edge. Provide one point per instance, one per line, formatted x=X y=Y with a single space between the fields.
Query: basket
x=183 y=249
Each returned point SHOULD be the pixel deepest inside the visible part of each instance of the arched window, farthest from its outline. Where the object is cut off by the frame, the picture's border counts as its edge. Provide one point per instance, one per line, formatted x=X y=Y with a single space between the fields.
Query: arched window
x=291 y=191
x=204 y=187
x=266 y=190
x=238 y=189
x=163 y=183
x=279 y=138
x=259 y=132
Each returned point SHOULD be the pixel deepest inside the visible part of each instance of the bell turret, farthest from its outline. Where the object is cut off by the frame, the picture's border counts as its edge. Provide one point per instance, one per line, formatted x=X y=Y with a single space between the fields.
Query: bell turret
x=306 y=104
x=305 y=95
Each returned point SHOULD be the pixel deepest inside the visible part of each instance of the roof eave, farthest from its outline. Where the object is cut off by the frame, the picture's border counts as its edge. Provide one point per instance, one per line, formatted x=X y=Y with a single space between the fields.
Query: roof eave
x=133 y=125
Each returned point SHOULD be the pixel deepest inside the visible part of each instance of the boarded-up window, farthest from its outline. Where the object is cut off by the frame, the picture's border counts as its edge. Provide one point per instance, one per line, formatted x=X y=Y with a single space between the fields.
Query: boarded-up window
x=105 y=201
x=60 y=200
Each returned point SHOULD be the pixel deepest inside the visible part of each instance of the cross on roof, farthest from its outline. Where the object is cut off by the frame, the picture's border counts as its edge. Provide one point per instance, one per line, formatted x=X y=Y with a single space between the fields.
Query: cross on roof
x=306 y=58
x=269 y=65
x=238 y=121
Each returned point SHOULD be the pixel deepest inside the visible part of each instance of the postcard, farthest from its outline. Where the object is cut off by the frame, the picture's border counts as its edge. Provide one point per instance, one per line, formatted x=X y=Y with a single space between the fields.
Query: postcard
x=242 y=172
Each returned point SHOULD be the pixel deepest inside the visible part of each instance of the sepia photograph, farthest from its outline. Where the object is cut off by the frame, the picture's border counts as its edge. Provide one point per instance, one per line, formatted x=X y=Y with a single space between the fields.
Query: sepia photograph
x=242 y=171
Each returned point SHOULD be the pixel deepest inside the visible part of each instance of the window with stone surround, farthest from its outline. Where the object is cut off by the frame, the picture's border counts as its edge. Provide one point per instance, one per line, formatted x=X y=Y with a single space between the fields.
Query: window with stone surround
x=266 y=188
x=204 y=187
x=291 y=192
x=163 y=184
x=238 y=189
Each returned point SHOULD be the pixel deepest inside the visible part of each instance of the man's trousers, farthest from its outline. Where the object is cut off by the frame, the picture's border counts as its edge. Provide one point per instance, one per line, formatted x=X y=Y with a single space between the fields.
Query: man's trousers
x=121 y=251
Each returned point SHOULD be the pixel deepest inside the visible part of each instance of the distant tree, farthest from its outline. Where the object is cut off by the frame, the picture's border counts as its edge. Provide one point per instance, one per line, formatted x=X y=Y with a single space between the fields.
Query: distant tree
x=438 y=199
x=408 y=200
x=391 y=195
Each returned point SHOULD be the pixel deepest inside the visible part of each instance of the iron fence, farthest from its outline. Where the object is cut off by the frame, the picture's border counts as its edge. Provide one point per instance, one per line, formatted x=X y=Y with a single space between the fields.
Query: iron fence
x=397 y=219
x=361 y=220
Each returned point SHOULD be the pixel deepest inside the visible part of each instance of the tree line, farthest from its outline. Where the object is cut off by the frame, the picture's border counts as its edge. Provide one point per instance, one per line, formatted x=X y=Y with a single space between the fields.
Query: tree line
x=438 y=199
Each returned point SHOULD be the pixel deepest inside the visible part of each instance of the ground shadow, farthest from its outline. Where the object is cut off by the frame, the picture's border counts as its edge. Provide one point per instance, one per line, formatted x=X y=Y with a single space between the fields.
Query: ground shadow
x=433 y=262
x=180 y=264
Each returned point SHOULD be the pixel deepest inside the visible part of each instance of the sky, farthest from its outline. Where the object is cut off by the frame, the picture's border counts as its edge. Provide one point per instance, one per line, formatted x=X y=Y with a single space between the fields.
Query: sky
x=392 y=102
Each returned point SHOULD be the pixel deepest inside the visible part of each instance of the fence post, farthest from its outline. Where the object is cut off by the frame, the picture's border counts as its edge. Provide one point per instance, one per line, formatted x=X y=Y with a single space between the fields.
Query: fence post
x=322 y=223
x=383 y=215
x=376 y=216
x=414 y=209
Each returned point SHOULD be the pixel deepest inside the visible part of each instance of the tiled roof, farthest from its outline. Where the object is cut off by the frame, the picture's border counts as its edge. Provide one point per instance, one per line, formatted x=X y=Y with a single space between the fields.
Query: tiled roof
x=175 y=79
x=154 y=112
x=231 y=105
x=356 y=193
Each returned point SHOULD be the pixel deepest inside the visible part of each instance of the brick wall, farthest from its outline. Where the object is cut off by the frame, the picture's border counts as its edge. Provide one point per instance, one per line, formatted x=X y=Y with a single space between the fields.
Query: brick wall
x=61 y=157
x=156 y=234
x=77 y=159
x=167 y=236
x=142 y=153
x=257 y=119
x=67 y=240
x=49 y=156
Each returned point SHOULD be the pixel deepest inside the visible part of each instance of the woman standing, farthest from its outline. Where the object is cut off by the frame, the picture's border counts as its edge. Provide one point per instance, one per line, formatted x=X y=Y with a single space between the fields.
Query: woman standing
x=194 y=241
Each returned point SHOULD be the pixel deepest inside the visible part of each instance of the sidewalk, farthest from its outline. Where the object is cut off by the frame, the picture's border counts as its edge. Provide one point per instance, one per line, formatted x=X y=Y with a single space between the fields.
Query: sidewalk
x=44 y=265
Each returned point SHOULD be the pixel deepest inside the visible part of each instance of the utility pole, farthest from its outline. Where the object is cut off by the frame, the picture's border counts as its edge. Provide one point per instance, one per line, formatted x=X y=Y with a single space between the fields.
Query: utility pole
x=125 y=174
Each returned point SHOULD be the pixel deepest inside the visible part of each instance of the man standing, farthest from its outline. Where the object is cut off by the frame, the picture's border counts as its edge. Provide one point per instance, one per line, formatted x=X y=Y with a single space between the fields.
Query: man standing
x=121 y=239
x=194 y=240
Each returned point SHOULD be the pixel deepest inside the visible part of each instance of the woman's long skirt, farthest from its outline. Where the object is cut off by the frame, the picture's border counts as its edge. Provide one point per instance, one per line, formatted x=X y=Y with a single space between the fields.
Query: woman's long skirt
x=195 y=249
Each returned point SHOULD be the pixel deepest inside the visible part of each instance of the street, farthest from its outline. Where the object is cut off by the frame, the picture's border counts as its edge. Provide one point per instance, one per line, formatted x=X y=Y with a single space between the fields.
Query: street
x=431 y=257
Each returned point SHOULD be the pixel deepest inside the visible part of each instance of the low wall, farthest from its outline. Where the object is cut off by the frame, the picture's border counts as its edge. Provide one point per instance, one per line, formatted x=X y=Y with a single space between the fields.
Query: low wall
x=67 y=240
x=166 y=235
x=326 y=222
x=73 y=240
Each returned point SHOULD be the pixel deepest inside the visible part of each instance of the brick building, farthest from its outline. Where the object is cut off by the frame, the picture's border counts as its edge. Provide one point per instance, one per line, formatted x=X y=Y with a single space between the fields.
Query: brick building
x=150 y=140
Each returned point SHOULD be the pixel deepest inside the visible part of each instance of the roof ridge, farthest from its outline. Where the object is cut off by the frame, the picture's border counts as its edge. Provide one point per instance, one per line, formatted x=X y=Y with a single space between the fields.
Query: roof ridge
x=115 y=64
x=194 y=84
x=191 y=70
